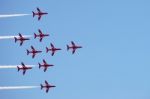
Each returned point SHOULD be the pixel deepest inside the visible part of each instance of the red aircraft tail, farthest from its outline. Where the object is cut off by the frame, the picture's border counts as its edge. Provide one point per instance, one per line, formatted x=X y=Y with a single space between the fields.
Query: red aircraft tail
x=35 y=35
x=18 y=68
x=47 y=49
x=15 y=39
x=68 y=47
x=39 y=65
x=28 y=52
x=42 y=86
x=33 y=13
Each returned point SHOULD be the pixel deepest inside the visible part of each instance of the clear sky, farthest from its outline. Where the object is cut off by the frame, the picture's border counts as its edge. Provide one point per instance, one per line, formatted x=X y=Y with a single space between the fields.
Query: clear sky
x=113 y=64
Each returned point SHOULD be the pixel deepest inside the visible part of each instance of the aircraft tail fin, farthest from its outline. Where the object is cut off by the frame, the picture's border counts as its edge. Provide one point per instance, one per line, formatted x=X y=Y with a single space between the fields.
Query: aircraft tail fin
x=67 y=47
x=33 y=13
x=18 y=68
x=28 y=52
x=39 y=65
x=15 y=39
x=42 y=86
x=46 y=49
x=35 y=35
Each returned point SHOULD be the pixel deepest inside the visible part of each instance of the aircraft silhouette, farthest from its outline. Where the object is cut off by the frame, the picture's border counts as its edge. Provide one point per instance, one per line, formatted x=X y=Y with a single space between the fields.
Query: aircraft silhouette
x=47 y=86
x=21 y=39
x=52 y=49
x=45 y=65
x=73 y=47
x=33 y=51
x=39 y=13
x=23 y=68
x=41 y=35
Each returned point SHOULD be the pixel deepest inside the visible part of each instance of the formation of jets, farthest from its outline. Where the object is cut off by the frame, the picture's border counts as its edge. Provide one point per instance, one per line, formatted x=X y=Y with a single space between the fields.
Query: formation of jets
x=52 y=49
x=24 y=68
x=21 y=38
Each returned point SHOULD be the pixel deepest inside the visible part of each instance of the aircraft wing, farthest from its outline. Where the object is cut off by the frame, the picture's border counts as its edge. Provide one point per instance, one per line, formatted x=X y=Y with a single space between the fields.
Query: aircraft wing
x=38 y=10
x=46 y=82
x=73 y=51
x=20 y=35
x=32 y=48
x=52 y=45
x=72 y=43
x=24 y=71
x=45 y=69
x=33 y=55
x=44 y=61
x=41 y=38
x=40 y=31
x=53 y=53
x=47 y=90
x=39 y=17
x=21 y=43
x=22 y=64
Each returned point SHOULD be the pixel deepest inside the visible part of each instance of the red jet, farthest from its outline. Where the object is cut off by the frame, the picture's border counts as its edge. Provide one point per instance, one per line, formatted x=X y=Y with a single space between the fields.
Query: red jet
x=41 y=35
x=24 y=68
x=53 y=49
x=45 y=65
x=39 y=13
x=33 y=52
x=47 y=86
x=21 y=39
x=73 y=47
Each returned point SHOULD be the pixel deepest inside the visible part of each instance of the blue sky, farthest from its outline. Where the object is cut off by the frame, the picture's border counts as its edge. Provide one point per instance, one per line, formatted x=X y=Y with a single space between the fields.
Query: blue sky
x=113 y=64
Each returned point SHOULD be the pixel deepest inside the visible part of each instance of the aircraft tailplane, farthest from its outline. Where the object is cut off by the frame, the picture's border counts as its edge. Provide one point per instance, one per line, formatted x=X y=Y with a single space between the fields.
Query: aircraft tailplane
x=28 y=52
x=33 y=13
x=42 y=86
x=39 y=65
x=67 y=47
x=47 y=49
x=18 y=68
x=35 y=35
x=15 y=39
